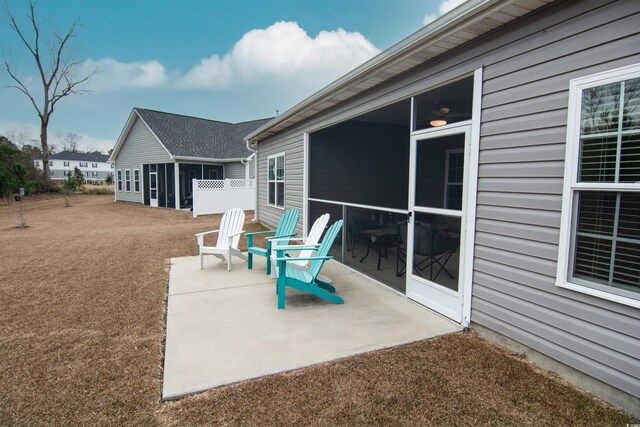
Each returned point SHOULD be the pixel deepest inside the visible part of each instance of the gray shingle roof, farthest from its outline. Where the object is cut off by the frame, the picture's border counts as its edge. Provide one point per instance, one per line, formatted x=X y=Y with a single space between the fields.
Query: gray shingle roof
x=81 y=157
x=185 y=136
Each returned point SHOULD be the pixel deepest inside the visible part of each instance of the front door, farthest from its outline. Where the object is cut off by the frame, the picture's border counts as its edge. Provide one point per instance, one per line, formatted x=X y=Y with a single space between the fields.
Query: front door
x=437 y=205
x=153 y=189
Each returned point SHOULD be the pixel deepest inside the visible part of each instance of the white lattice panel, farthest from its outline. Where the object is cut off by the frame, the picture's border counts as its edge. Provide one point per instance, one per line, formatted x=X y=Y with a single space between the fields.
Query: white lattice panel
x=210 y=184
x=238 y=183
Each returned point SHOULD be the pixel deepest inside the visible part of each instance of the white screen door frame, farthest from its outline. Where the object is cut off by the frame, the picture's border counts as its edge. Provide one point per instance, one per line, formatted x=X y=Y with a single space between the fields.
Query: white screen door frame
x=153 y=189
x=443 y=300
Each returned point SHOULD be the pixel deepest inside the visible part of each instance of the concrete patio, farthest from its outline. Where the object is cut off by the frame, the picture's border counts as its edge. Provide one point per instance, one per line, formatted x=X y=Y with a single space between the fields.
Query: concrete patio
x=224 y=327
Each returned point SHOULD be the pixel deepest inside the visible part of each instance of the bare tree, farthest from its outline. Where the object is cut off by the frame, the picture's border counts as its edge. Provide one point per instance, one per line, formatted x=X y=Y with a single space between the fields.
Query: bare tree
x=68 y=141
x=20 y=137
x=55 y=72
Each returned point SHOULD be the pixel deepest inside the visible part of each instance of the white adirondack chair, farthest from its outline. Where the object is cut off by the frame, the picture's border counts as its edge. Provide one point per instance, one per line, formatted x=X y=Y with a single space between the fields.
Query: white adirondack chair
x=312 y=240
x=228 y=238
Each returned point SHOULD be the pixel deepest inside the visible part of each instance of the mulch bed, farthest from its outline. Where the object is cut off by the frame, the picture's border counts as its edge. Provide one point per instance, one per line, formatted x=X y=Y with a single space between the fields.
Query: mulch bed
x=83 y=293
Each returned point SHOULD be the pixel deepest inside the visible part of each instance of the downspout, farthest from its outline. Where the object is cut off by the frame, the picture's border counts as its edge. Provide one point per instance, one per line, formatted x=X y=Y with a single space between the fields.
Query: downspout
x=254 y=148
x=115 y=184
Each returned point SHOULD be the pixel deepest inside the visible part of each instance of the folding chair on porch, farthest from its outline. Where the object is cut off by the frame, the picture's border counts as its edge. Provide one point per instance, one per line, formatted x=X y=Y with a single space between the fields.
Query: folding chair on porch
x=432 y=249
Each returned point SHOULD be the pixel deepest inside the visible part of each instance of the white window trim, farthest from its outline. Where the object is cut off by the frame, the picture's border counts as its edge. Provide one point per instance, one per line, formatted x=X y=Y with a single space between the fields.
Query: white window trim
x=284 y=181
x=127 y=180
x=119 y=181
x=576 y=86
x=136 y=180
x=448 y=154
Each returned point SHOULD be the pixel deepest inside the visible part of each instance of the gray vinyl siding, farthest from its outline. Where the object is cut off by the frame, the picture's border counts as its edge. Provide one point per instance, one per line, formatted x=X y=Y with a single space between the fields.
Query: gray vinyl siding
x=292 y=144
x=527 y=68
x=141 y=146
x=252 y=169
x=521 y=172
x=234 y=170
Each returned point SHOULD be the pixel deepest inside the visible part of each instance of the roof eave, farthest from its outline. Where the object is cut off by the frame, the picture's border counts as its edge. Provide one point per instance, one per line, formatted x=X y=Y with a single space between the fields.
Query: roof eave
x=447 y=22
x=209 y=159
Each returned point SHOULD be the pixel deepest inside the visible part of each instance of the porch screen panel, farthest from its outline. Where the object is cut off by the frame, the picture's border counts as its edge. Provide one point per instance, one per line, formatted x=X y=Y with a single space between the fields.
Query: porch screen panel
x=361 y=163
x=171 y=184
x=439 y=169
x=162 y=188
x=145 y=178
x=316 y=209
x=212 y=172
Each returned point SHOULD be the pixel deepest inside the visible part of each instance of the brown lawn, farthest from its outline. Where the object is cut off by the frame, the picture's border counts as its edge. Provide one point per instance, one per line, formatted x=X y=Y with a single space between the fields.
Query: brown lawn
x=83 y=292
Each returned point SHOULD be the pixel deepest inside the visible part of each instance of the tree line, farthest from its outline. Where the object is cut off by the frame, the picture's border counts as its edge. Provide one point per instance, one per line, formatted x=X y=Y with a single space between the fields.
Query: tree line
x=17 y=170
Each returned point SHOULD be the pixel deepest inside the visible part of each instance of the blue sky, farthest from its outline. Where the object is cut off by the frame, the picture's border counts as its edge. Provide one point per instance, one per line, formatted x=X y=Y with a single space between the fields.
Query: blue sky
x=219 y=59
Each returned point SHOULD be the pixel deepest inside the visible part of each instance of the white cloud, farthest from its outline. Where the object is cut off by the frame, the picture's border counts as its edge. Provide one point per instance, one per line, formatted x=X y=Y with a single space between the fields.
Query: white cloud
x=444 y=7
x=282 y=53
x=113 y=75
x=92 y=143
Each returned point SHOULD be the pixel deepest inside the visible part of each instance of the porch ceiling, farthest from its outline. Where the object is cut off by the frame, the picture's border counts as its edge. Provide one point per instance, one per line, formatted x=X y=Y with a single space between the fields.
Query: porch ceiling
x=454 y=29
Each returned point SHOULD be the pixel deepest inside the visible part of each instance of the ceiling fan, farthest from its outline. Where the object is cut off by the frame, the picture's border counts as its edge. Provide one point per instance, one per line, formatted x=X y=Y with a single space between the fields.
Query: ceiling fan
x=442 y=114
x=438 y=117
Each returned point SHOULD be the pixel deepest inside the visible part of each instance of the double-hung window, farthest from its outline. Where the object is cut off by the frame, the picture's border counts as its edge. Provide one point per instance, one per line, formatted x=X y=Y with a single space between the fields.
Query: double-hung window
x=127 y=180
x=454 y=172
x=119 y=180
x=599 y=250
x=275 y=179
x=66 y=163
x=136 y=180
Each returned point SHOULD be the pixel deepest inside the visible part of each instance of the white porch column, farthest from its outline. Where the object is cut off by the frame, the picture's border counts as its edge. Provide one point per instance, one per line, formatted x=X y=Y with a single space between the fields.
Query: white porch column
x=176 y=179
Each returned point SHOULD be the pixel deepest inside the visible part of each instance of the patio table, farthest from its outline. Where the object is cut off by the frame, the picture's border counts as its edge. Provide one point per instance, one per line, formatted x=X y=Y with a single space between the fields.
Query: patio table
x=381 y=238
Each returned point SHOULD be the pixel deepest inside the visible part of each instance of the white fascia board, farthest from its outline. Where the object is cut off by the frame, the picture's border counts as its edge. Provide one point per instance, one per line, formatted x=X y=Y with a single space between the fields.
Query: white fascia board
x=432 y=30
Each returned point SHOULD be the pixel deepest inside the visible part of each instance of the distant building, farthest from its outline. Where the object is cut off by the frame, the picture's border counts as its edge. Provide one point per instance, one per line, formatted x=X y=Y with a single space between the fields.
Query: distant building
x=158 y=155
x=94 y=166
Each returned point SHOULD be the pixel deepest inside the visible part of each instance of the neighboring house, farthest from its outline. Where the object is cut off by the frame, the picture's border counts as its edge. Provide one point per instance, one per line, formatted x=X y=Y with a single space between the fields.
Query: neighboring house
x=94 y=166
x=158 y=155
x=512 y=128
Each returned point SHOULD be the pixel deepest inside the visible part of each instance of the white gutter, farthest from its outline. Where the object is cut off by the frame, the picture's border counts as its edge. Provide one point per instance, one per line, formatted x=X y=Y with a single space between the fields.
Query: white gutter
x=208 y=159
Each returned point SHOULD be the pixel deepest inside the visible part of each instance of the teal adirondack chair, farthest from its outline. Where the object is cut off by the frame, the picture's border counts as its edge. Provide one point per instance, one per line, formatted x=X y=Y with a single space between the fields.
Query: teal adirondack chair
x=307 y=281
x=286 y=228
